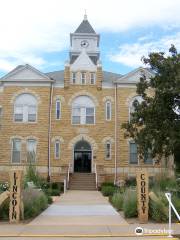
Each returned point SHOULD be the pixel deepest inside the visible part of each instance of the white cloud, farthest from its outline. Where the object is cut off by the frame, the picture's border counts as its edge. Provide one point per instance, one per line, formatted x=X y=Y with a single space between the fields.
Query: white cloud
x=131 y=54
x=33 y=27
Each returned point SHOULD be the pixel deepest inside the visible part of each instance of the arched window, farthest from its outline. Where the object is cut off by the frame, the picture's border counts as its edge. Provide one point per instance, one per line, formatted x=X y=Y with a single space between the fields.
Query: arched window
x=57 y=149
x=31 y=150
x=83 y=110
x=108 y=110
x=108 y=150
x=16 y=150
x=134 y=101
x=25 y=108
x=58 y=109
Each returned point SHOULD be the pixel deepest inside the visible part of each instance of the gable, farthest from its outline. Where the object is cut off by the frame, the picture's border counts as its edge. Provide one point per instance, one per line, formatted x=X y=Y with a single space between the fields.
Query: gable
x=83 y=62
x=134 y=76
x=26 y=73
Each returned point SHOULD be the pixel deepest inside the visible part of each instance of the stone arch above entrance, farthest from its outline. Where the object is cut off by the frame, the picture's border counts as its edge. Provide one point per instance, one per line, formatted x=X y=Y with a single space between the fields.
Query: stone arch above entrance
x=80 y=137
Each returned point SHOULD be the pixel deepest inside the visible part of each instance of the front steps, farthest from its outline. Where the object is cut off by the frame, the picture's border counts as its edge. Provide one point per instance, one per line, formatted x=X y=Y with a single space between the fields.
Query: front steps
x=82 y=181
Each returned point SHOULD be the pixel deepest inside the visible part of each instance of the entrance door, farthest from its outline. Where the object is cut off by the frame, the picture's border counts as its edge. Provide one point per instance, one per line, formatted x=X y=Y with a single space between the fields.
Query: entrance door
x=82 y=157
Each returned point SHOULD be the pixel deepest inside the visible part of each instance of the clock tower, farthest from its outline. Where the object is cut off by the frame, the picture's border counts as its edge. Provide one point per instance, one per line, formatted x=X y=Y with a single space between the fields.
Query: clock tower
x=84 y=39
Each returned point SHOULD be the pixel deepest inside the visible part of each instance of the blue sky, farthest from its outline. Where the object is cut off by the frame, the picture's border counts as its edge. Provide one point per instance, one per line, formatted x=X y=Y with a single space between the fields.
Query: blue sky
x=37 y=31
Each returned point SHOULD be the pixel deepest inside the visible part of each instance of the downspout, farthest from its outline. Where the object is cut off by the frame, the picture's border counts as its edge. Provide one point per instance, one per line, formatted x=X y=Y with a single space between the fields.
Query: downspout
x=49 y=134
x=115 y=134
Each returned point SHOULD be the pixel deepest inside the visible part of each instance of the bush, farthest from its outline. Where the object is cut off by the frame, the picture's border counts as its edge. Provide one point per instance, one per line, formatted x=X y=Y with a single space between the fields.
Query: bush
x=130 y=203
x=35 y=202
x=4 y=210
x=131 y=181
x=117 y=200
x=107 y=184
x=158 y=207
x=108 y=190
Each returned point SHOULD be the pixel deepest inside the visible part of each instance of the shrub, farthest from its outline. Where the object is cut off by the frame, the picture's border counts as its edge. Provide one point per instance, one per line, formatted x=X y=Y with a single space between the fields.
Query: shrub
x=33 y=176
x=130 y=203
x=107 y=184
x=158 y=207
x=35 y=201
x=108 y=190
x=131 y=181
x=117 y=200
x=4 y=210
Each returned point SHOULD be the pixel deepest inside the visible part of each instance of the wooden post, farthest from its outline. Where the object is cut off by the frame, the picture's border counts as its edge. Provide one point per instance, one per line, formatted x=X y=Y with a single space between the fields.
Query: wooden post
x=15 y=196
x=143 y=195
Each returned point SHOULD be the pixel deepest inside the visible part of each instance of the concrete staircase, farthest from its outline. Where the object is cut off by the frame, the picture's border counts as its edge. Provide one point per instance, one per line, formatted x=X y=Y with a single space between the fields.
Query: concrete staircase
x=82 y=181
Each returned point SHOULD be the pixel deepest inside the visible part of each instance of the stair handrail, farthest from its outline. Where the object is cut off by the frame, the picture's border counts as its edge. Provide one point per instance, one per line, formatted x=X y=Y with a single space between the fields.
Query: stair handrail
x=68 y=174
x=168 y=196
x=96 y=175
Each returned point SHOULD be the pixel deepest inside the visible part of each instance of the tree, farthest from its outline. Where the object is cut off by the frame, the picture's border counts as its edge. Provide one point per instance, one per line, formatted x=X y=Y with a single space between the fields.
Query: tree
x=154 y=124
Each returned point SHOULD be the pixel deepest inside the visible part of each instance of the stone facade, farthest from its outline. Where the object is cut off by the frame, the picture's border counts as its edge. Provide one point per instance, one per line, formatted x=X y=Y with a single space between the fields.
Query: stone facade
x=47 y=89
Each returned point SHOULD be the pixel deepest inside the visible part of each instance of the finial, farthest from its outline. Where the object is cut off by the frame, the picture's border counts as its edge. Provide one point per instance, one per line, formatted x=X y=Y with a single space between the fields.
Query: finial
x=85 y=15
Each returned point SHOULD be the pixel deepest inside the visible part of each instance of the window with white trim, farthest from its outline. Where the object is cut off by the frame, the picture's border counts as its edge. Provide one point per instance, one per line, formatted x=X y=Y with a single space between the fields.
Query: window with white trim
x=83 y=110
x=148 y=157
x=133 y=158
x=57 y=149
x=16 y=150
x=92 y=78
x=108 y=110
x=83 y=78
x=25 y=108
x=73 y=77
x=108 y=150
x=31 y=150
x=58 y=109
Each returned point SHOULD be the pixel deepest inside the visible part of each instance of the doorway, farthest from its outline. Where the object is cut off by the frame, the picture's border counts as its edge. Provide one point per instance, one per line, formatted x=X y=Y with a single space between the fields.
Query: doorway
x=82 y=157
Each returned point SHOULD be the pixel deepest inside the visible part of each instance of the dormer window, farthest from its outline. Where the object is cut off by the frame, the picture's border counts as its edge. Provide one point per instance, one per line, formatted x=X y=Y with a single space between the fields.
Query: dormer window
x=92 y=78
x=73 y=77
x=83 y=78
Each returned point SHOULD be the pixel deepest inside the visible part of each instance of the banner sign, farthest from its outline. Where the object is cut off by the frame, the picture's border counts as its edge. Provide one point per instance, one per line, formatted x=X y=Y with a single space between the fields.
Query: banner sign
x=143 y=195
x=15 y=196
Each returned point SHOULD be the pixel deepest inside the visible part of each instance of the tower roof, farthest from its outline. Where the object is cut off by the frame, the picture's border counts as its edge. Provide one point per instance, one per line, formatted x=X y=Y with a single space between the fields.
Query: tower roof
x=85 y=26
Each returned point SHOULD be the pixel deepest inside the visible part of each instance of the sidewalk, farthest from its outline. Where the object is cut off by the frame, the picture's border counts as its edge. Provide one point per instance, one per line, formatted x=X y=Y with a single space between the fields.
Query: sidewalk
x=80 y=214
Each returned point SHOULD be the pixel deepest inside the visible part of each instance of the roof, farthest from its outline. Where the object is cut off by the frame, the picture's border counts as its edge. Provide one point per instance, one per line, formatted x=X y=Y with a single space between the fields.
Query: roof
x=107 y=76
x=85 y=27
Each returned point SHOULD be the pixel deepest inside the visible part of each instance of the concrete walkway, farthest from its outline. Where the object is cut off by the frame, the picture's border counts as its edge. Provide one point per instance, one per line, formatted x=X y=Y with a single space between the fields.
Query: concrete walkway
x=80 y=214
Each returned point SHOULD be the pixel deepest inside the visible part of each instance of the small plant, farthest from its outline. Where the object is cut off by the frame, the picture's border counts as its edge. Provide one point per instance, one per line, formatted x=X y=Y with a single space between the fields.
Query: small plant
x=4 y=186
x=130 y=203
x=107 y=184
x=117 y=200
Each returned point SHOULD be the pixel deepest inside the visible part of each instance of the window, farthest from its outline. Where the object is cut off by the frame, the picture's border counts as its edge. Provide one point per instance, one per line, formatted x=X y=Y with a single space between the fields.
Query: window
x=108 y=110
x=73 y=77
x=31 y=150
x=83 y=111
x=58 y=109
x=148 y=158
x=135 y=101
x=25 y=108
x=16 y=150
x=83 y=78
x=92 y=78
x=57 y=149
x=108 y=150
x=133 y=153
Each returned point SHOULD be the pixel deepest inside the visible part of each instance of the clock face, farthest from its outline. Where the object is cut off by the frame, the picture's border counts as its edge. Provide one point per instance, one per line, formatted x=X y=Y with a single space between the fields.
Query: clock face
x=84 y=44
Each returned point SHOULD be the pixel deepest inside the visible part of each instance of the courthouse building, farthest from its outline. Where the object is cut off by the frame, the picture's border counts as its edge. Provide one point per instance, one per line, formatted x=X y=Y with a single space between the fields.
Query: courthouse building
x=69 y=121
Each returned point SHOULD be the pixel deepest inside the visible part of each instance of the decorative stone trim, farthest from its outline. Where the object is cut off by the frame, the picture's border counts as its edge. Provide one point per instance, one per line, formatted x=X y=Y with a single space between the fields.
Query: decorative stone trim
x=108 y=98
x=16 y=136
x=32 y=137
x=83 y=137
x=106 y=139
x=26 y=90
x=59 y=97
x=55 y=138
x=83 y=93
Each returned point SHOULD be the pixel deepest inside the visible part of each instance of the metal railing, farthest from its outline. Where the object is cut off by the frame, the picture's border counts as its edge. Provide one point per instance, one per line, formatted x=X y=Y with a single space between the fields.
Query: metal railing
x=68 y=175
x=168 y=196
x=96 y=175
